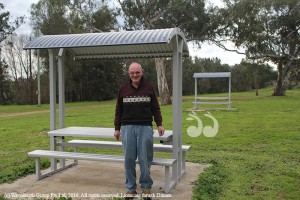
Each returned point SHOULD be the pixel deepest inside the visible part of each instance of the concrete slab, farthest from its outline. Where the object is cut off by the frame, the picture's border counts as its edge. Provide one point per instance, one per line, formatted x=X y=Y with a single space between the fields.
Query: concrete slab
x=97 y=180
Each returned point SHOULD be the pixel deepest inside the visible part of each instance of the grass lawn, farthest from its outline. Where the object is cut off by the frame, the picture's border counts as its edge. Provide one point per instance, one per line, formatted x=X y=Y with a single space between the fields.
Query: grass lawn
x=255 y=154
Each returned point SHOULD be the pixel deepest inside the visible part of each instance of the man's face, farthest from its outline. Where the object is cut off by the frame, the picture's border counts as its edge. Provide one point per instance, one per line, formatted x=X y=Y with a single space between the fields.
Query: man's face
x=135 y=72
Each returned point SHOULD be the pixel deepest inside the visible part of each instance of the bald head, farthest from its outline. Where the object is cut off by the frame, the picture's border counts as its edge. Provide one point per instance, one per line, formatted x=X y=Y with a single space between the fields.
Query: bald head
x=135 y=72
x=135 y=67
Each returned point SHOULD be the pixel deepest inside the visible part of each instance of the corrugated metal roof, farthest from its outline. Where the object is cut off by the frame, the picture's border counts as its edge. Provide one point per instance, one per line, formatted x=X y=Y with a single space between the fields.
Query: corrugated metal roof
x=142 y=43
x=212 y=75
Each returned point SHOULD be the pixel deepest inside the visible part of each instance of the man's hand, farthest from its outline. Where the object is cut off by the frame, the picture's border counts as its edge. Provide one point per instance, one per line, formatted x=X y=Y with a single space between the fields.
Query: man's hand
x=117 y=134
x=160 y=130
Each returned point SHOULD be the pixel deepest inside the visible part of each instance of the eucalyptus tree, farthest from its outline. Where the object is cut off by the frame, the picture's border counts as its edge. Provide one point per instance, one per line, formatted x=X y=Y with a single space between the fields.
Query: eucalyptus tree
x=150 y=14
x=71 y=16
x=268 y=30
x=49 y=17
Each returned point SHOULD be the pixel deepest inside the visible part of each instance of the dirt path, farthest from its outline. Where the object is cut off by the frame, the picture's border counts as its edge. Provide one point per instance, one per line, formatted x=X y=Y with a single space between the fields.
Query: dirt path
x=23 y=113
x=46 y=111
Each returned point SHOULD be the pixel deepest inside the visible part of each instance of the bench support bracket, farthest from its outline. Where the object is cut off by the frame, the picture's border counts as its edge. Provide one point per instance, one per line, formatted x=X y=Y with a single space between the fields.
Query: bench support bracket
x=39 y=174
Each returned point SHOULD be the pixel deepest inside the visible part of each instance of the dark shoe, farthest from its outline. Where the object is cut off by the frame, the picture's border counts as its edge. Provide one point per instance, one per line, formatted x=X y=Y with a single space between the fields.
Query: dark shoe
x=130 y=195
x=146 y=194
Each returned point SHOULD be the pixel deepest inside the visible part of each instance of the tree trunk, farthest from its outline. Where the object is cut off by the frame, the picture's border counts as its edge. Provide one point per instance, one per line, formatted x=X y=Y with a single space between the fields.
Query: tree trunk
x=283 y=78
x=163 y=89
x=162 y=84
x=256 y=83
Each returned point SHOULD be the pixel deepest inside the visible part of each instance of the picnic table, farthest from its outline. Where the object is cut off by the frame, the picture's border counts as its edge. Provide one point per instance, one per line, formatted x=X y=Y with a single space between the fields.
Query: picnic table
x=58 y=136
x=58 y=143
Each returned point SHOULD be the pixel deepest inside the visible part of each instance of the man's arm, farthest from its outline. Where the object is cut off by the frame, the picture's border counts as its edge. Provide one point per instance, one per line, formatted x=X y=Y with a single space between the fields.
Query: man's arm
x=156 y=109
x=157 y=113
x=118 y=116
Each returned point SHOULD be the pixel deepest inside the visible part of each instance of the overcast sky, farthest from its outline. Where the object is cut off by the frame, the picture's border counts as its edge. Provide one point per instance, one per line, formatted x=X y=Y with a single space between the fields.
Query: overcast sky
x=21 y=8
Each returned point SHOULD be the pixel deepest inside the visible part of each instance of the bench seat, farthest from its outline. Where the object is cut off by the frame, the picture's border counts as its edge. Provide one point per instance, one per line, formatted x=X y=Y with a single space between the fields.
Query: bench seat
x=117 y=145
x=212 y=100
x=37 y=154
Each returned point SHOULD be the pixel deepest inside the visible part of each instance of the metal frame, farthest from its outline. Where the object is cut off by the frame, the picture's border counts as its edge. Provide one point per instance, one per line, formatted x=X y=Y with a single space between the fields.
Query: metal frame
x=128 y=44
x=214 y=75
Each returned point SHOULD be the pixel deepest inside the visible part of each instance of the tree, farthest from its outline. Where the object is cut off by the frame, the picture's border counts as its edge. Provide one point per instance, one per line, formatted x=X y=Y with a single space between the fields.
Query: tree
x=22 y=68
x=4 y=84
x=162 y=14
x=88 y=16
x=267 y=30
x=48 y=17
x=295 y=75
x=84 y=80
x=141 y=15
x=77 y=16
x=247 y=76
x=6 y=29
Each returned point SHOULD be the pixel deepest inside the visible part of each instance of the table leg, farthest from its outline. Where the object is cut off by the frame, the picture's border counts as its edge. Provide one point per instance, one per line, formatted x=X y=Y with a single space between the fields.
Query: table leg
x=53 y=146
x=62 y=162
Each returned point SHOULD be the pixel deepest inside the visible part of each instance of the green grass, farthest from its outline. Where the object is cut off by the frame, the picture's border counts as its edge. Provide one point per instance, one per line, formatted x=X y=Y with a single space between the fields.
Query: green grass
x=255 y=154
x=256 y=149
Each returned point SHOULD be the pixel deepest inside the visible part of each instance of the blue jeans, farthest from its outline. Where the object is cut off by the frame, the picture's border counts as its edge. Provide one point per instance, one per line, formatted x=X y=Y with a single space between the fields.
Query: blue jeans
x=137 y=143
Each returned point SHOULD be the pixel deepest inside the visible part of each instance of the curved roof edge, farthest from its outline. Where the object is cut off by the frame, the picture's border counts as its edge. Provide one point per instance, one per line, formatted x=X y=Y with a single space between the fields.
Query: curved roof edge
x=114 y=44
x=105 y=38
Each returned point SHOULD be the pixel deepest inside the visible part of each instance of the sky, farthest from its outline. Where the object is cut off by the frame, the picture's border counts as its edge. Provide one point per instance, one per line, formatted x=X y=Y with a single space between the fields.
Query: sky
x=21 y=8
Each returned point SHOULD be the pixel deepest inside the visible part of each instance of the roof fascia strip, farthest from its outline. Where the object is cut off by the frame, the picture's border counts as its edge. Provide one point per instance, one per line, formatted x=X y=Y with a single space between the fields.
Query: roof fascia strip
x=146 y=55
x=212 y=75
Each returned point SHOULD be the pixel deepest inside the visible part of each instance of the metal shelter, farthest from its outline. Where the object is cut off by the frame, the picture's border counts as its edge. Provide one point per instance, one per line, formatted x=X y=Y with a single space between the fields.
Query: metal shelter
x=115 y=45
x=214 y=75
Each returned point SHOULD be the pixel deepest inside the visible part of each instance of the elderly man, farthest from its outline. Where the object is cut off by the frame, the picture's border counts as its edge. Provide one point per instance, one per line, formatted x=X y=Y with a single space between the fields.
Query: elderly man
x=136 y=107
